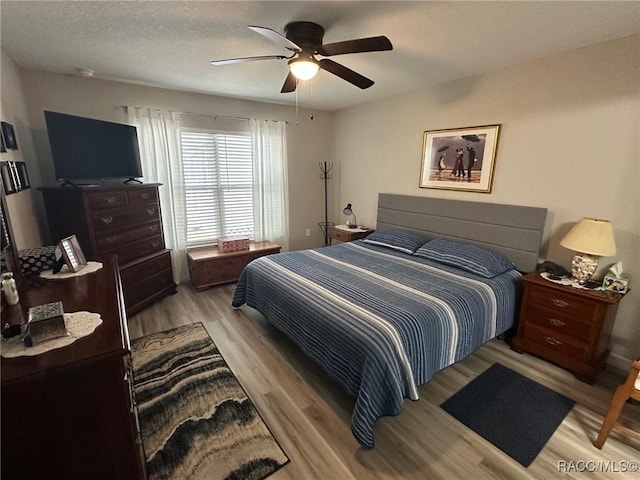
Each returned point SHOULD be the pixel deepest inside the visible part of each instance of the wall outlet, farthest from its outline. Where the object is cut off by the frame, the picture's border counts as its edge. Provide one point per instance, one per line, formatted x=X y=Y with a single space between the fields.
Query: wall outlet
x=307 y=232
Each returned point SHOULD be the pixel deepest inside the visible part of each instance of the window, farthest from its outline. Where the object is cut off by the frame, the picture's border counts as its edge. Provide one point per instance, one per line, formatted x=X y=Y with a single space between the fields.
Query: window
x=218 y=182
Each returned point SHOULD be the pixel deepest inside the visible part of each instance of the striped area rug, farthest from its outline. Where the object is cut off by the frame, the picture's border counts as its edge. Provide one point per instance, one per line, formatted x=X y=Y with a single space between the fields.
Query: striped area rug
x=196 y=420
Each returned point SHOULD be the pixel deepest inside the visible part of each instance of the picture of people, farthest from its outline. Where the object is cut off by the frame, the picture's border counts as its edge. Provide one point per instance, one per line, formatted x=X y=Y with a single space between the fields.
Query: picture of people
x=469 y=163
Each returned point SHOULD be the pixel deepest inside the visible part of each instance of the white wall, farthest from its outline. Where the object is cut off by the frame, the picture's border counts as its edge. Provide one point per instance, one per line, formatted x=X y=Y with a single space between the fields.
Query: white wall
x=13 y=110
x=309 y=141
x=569 y=141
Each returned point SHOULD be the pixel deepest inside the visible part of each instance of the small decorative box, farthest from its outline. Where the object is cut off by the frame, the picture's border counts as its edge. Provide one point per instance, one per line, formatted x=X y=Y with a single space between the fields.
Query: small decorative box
x=233 y=244
x=46 y=322
x=619 y=284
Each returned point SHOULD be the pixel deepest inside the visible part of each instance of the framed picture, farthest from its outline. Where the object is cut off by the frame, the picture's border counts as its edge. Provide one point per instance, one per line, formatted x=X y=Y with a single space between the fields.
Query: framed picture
x=3 y=148
x=459 y=158
x=23 y=176
x=72 y=254
x=8 y=180
x=9 y=136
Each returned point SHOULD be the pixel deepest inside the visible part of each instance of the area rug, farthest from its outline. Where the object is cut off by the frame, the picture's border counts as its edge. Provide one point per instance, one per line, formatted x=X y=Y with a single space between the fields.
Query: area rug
x=514 y=413
x=196 y=420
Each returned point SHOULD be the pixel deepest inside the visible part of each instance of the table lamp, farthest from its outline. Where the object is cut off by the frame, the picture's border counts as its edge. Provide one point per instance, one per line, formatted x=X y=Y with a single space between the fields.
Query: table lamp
x=347 y=211
x=590 y=238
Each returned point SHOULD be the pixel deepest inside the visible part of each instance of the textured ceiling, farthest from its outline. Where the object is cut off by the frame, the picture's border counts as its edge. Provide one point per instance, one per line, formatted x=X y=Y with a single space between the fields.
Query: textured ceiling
x=170 y=44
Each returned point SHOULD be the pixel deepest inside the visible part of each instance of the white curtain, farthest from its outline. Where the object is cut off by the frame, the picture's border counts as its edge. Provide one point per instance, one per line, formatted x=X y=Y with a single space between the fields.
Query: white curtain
x=159 y=139
x=270 y=192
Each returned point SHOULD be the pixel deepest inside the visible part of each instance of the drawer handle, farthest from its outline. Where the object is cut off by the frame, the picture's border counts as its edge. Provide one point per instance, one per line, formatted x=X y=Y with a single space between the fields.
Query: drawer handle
x=107 y=220
x=111 y=239
x=153 y=228
x=552 y=341
x=151 y=211
x=111 y=199
x=557 y=323
x=558 y=302
x=144 y=196
x=155 y=244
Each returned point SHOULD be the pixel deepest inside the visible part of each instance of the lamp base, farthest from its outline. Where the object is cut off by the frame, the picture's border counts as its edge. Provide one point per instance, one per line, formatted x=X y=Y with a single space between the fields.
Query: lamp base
x=583 y=266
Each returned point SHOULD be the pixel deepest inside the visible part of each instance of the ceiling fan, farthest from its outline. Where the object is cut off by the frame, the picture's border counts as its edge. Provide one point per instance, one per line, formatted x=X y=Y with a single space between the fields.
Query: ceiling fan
x=304 y=39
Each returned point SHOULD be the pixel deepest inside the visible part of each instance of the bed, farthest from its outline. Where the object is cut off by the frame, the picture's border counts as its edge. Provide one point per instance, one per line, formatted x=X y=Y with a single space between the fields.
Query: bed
x=382 y=315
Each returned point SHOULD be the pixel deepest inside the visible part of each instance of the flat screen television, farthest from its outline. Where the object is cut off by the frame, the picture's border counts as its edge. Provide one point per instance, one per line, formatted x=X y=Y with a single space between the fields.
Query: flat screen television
x=88 y=149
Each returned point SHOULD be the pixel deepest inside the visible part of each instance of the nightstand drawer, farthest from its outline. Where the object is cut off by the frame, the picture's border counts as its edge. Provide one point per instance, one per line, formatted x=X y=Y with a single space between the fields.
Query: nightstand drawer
x=560 y=302
x=559 y=321
x=340 y=235
x=562 y=344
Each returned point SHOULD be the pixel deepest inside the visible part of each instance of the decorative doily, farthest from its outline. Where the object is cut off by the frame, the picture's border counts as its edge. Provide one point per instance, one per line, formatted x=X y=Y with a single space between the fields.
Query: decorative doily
x=65 y=273
x=572 y=282
x=79 y=324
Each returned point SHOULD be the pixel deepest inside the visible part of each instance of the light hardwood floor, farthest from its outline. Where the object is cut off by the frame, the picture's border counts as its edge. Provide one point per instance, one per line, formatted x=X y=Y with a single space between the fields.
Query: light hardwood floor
x=309 y=414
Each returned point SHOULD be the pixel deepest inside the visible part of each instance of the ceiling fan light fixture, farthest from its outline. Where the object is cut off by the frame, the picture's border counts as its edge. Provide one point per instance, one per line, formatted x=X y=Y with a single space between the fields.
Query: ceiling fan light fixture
x=304 y=68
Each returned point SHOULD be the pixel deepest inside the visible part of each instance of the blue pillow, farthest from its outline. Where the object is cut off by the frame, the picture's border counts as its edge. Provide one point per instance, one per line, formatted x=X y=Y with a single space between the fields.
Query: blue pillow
x=477 y=259
x=407 y=242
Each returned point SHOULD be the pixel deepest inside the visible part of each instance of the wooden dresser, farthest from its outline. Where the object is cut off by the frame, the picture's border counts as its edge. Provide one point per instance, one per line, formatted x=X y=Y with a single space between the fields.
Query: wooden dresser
x=70 y=413
x=208 y=266
x=123 y=220
x=565 y=325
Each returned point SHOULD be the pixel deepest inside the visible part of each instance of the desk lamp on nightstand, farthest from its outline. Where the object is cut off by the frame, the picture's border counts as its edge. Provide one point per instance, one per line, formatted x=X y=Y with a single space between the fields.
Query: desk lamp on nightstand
x=347 y=211
x=590 y=238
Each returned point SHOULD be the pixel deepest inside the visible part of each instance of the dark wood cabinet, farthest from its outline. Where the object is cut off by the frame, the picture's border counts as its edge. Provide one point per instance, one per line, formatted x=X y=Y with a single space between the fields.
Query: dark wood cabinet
x=565 y=325
x=71 y=413
x=121 y=220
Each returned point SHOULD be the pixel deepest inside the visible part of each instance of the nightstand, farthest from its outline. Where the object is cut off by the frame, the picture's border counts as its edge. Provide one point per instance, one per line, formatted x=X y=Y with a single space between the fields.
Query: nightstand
x=346 y=234
x=565 y=325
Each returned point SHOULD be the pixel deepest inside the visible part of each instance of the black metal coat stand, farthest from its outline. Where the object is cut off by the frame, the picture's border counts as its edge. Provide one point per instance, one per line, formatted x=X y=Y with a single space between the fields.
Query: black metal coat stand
x=325 y=169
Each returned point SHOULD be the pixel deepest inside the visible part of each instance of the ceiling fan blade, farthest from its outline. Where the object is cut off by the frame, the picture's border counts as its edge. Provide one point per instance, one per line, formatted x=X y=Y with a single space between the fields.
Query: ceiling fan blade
x=275 y=37
x=371 y=44
x=229 y=61
x=290 y=84
x=345 y=73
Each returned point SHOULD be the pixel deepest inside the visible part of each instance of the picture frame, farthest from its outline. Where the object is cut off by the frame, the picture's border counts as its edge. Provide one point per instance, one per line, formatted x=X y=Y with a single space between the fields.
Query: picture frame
x=8 y=180
x=459 y=158
x=3 y=148
x=9 y=136
x=72 y=253
x=23 y=175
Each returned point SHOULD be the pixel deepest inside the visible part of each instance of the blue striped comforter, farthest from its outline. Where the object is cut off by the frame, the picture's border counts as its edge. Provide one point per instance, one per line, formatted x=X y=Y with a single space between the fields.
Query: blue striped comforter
x=380 y=322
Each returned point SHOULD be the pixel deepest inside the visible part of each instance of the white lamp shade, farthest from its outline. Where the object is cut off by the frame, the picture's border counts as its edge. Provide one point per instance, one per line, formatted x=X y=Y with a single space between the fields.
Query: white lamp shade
x=304 y=69
x=592 y=236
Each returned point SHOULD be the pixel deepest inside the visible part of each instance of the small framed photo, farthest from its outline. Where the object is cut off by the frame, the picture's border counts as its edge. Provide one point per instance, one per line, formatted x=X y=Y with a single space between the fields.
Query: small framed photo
x=23 y=176
x=72 y=254
x=9 y=136
x=8 y=178
x=459 y=158
x=3 y=148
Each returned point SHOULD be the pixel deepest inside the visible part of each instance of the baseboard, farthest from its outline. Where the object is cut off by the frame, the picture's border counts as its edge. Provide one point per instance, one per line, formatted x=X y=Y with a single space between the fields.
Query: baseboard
x=619 y=362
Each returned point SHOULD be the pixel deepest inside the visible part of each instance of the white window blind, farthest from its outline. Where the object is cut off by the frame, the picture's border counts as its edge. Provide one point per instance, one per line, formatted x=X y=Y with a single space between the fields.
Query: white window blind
x=218 y=183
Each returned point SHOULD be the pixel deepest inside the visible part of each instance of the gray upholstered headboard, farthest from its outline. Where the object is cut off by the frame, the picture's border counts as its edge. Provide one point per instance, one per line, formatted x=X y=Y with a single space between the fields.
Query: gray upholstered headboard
x=512 y=230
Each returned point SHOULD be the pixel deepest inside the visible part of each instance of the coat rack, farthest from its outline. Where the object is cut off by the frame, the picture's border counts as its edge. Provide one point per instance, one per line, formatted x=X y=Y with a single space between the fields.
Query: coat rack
x=325 y=174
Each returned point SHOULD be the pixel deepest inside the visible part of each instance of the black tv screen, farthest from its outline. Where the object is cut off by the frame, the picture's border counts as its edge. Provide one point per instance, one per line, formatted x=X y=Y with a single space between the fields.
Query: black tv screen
x=85 y=148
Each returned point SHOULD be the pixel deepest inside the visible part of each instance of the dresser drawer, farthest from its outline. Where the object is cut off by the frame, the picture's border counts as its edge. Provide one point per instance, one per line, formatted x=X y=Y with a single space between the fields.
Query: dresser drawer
x=560 y=302
x=147 y=287
x=107 y=199
x=140 y=195
x=136 y=250
x=108 y=242
x=559 y=321
x=137 y=273
x=558 y=343
x=124 y=218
